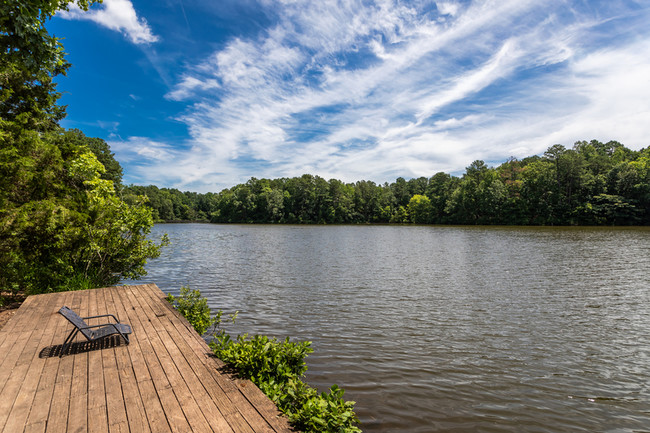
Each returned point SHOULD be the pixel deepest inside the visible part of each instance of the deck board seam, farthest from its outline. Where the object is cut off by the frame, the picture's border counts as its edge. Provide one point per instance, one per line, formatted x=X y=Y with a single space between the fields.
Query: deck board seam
x=154 y=362
x=175 y=354
x=240 y=389
x=181 y=345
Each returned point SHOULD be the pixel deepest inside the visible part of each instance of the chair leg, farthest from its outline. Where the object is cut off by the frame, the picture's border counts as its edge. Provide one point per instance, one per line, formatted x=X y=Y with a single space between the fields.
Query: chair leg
x=68 y=341
x=126 y=338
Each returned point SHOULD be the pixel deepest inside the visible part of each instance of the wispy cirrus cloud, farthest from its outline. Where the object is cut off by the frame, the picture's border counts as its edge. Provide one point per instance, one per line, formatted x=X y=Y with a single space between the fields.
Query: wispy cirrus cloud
x=140 y=148
x=357 y=90
x=118 y=15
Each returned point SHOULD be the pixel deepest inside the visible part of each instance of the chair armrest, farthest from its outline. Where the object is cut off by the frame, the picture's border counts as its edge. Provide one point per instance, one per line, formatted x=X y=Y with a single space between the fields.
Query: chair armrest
x=102 y=315
x=100 y=326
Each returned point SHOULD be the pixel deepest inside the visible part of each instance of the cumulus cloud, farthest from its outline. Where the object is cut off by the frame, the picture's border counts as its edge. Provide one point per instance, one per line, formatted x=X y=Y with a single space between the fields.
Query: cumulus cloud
x=118 y=15
x=358 y=90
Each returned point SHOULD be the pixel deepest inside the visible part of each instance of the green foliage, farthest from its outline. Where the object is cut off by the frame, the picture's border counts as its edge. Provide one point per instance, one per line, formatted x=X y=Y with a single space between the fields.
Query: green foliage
x=277 y=368
x=326 y=412
x=194 y=308
x=419 y=209
x=62 y=225
x=30 y=59
x=593 y=183
x=263 y=359
x=101 y=150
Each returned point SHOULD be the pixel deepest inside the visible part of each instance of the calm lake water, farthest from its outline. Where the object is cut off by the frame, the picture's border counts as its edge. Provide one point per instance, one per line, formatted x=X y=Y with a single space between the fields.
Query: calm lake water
x=442 y=329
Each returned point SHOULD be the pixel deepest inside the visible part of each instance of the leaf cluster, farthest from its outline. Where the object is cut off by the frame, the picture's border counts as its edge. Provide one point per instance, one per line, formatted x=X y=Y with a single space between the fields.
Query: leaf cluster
x=194 y=308
x=62 y=226
x=277 y=368
x=30 y=59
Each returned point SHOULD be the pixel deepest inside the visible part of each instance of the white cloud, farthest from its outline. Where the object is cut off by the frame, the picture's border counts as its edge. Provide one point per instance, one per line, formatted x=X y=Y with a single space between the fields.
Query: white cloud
x=447 y=8
x=355 y=91
x=144 y=150
x=189 y=86
x=118 y=15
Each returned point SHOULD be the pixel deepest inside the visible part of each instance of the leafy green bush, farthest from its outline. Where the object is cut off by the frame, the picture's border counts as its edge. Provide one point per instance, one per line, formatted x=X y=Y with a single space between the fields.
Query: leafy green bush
x=262 y=358
x=194 y=308
x=277 y=367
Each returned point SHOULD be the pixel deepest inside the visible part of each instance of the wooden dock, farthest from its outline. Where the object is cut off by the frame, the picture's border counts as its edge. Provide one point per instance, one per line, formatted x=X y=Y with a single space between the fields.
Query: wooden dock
x=165 y=380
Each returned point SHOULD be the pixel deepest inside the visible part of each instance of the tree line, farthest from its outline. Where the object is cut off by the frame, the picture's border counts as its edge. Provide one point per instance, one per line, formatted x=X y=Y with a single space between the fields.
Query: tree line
x=592 y=183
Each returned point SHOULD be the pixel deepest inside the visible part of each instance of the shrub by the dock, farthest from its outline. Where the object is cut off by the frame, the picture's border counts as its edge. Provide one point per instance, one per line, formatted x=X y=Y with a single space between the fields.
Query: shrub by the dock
x=276 y=367
x=194 y=308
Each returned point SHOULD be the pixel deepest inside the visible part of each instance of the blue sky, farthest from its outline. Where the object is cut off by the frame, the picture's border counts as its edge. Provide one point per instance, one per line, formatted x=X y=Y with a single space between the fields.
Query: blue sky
x=202 y=95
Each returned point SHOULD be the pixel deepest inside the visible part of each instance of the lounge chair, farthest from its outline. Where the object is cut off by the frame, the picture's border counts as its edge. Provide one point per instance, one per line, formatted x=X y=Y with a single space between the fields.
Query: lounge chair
x=92 y=332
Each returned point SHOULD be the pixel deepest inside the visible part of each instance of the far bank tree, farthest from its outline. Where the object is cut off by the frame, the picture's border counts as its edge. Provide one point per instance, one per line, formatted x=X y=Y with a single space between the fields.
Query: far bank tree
x=62 y=225
x=593 y=183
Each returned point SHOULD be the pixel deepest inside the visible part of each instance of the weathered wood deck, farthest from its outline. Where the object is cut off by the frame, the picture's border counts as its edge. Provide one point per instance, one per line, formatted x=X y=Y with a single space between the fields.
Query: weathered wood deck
x=164 y=381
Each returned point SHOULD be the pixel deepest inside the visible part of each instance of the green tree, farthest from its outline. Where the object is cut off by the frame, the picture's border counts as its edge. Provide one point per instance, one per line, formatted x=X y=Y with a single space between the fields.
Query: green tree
x=539 y=193
x=113 y=169
x=401 y=192
x=367 y=201
x=510 y=173
x=62 y=226
x=441 y=186
x=479 y=197
x=400 y=215
x=593 y=183
x=112 y=243
x=341 y=209
x=30 y=59
x=419 y=209
x=569 y=171
x=417 y=186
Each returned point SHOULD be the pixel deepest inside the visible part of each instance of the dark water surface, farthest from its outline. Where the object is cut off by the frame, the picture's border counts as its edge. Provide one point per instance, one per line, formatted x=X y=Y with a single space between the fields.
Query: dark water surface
x=445 y=329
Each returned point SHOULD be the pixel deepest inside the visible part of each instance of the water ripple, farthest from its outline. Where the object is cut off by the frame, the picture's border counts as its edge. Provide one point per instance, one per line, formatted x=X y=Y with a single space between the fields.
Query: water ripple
x=459 y=329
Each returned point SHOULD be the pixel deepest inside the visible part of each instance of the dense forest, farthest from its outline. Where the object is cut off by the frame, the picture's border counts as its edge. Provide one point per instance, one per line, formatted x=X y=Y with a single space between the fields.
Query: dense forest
x=592 y=183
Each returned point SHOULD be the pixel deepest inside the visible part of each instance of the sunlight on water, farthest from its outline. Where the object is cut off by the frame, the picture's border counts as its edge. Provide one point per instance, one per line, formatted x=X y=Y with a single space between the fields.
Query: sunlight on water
x=443 y=328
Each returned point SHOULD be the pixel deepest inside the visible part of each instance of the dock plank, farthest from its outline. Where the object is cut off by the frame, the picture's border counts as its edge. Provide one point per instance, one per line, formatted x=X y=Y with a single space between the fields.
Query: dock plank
x=133 y=401
x=249 y=402
x=38 y=415
x=115 y=406
x=165 y=380
x=197 y=362
x=162 y=345
x=96 y=397
x=25 y=398
x=78 y=409
x=155 y=376
x=191 y=372
x=58 y=416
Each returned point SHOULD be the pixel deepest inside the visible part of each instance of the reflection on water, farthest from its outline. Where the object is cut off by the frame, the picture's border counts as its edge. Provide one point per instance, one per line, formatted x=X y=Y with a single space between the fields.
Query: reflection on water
x=443 y=328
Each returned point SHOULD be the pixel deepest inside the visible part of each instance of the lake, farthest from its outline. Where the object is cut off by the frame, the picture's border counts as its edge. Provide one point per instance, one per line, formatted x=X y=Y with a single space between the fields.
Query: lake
x=440 y=329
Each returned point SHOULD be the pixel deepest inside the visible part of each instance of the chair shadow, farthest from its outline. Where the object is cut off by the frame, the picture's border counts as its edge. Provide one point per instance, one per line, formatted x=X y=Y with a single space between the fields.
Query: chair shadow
x=82 y=347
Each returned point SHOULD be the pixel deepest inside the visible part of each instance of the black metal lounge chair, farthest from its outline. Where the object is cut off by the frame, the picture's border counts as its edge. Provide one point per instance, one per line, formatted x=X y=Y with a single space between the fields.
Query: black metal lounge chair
x=92 y=332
